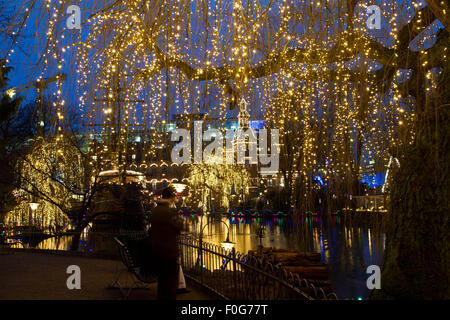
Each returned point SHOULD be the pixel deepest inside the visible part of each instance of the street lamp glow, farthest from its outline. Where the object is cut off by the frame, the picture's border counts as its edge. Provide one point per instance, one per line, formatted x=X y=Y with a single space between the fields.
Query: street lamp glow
x=34 y=205
x=11 y=93
x=227 y=245
x=179 y=187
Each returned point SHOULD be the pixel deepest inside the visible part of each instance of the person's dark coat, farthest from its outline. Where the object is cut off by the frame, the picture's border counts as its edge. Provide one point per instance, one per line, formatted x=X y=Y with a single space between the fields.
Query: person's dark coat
x=165 y=228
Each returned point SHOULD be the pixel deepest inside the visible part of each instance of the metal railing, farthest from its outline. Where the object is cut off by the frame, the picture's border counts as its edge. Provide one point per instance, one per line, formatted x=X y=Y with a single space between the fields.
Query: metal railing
x=243 y=277
x=229 y=274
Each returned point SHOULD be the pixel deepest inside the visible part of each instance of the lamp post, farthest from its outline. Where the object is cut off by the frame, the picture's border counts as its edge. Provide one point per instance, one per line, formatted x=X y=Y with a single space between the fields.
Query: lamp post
x=180 y=187
x=33 y=207
x=226 y=245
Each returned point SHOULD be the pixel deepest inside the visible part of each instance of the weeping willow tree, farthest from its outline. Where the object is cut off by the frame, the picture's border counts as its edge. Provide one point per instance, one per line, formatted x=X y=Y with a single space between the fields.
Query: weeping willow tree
x=57 y=175
x=224 y=185
x=349 y=93
x=357 y=93
x=43 y=177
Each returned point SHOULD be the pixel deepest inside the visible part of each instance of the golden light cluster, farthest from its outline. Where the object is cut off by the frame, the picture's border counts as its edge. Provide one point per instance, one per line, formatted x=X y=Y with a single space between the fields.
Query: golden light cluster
x=313 y=70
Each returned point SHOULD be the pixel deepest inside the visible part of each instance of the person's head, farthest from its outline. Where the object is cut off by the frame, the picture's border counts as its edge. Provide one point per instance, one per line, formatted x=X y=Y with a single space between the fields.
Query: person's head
x=169 y=194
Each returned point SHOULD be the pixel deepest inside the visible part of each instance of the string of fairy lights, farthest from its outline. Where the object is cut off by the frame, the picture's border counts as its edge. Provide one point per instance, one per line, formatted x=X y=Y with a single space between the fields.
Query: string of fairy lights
x=137 y=63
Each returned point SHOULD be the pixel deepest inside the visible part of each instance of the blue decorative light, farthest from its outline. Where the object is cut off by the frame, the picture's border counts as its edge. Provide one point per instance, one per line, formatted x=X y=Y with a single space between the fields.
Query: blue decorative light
x=319 y=180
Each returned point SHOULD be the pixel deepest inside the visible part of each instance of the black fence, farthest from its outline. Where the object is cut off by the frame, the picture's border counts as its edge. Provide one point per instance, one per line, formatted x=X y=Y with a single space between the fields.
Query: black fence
x=243 y=277
x=228 y=273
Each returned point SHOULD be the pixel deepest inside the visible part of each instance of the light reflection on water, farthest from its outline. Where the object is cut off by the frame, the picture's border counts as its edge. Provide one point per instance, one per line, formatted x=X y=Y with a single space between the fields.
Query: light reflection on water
x=89 y=242
x=347 y=250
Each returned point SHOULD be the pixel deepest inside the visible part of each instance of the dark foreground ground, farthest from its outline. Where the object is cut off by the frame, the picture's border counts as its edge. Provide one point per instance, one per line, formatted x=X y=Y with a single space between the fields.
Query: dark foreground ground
x=42 y=276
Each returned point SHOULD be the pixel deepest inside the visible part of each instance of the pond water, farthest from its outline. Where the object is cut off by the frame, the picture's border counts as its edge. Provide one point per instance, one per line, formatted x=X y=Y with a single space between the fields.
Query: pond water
x=347 y=248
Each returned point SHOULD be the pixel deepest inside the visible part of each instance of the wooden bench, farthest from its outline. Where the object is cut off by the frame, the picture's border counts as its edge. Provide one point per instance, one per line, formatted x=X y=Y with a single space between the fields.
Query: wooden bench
x=140 y=280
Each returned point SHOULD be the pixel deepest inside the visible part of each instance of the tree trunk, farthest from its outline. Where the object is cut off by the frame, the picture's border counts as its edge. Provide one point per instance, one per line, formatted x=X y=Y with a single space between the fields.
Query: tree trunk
x=416 y=263
x=76 y=237
x=75 y=241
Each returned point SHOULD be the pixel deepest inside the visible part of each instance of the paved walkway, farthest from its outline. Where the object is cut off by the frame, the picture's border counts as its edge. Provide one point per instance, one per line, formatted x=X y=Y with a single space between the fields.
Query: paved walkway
x=41 y=276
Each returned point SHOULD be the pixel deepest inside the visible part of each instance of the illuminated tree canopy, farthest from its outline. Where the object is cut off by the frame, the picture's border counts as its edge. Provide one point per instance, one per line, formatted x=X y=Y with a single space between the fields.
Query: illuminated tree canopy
x=223 y=184
x=353 y=91
x=341 y=94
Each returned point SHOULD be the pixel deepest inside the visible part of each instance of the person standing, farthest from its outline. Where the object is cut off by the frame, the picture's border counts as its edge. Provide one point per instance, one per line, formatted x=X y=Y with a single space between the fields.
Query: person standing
x=165 y=228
